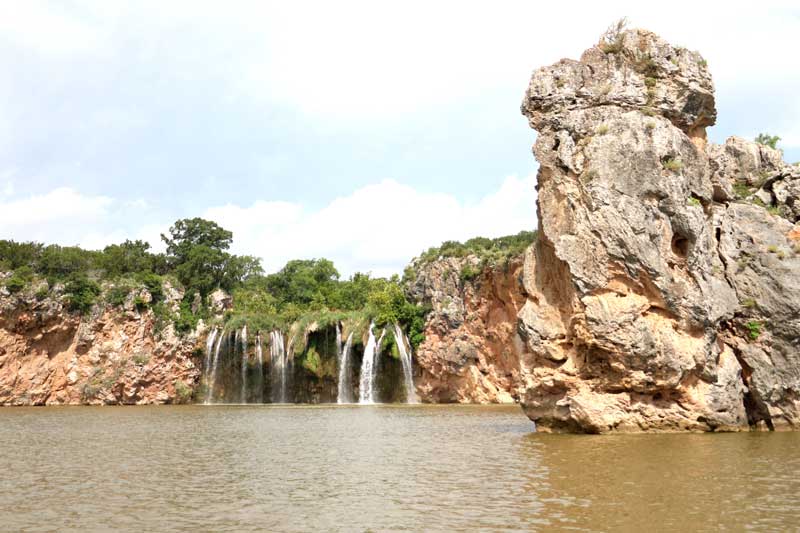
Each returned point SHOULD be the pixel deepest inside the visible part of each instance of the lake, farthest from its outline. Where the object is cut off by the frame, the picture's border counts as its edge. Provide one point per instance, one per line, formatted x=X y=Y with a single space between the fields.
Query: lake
x=377 y=468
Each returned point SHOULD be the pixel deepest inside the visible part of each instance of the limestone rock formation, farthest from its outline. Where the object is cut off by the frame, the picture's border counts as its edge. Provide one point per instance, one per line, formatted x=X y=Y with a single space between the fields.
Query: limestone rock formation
x=658 y=296
x=50 y=356
x=471 y=353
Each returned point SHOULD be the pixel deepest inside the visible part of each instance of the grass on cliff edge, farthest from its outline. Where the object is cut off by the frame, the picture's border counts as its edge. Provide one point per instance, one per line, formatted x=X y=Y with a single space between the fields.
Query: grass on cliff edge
x=491 y=251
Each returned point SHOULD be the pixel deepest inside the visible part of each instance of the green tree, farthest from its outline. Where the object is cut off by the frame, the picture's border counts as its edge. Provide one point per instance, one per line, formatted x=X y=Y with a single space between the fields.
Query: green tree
x=303 y=281
x=189 y=233
x=128 y=257
x=768 y=140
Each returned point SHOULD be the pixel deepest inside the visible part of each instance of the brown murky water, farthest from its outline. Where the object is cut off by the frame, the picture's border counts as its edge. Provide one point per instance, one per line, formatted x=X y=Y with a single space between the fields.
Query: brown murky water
x=381 y=468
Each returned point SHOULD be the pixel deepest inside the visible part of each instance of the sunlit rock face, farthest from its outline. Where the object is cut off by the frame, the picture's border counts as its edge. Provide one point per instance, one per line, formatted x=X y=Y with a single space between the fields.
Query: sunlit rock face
x=658 y=296
x=471 y=352
x=49 y=356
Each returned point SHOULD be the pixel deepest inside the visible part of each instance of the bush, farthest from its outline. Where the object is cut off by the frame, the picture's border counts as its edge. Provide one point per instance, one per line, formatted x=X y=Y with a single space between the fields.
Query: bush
x=81 y=292
x=468 y=273
x=673 y=165
x=754 y=329
x=117 y=295
x=768 y=140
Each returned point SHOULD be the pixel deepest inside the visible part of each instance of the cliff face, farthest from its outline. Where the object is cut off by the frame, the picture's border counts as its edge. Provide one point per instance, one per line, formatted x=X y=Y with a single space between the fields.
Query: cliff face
x=661 y=295
x=471 y=352
x=49 y=356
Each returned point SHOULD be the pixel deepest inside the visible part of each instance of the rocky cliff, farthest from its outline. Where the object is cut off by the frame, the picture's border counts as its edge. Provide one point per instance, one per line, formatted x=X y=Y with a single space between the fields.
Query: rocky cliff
x=112 y=355
x=471 y=352
x=663 y=292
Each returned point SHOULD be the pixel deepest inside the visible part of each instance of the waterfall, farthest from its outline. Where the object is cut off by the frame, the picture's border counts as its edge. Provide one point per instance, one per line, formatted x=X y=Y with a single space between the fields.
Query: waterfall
x=343 y=395
x=279 y=367
x=260 y=358
x=244 y=364
x=405 y=359
x=369 y=368
x=209 y=351
x=210 y=391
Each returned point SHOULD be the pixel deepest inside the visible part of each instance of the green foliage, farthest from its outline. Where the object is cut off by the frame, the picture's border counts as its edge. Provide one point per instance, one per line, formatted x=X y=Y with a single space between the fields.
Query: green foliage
x=141 y=358
x=492 y=251
x=468 y=273
x=116 y=295
x=741 y=190
x=749 y=303
x=154 y=285
x=768 y=140
x=694 y=201
x=196 y=253
x=186 y=320
x=183 y=392
x=602 y=129
x=126 y=258
x=21 y=277
x=774 y=210
x=754 y=329
x=611 y=41
x=81 y=292
x=671 y=164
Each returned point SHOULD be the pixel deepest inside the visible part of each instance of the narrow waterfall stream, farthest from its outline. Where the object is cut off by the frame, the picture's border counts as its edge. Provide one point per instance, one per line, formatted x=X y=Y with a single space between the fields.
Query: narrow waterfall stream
x=215 y=364
x=260 y=359
x=405 y=359
x=244 y=364
x=344 y=392
x=279 y=367
x=209 y=352
x=369 y=367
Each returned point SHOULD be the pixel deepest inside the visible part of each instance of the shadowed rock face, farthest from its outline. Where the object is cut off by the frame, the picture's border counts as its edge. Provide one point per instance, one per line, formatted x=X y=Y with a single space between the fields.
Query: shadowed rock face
x=655 y=301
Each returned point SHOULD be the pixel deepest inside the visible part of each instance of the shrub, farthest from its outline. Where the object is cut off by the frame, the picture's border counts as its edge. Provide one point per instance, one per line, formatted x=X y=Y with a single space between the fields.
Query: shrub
x=694 y=201
x=602 y=129
x=768 y=140
x=754 y=329
x=772 y=249
x=468 y=273
x=671 y=164
x=81 y=292
x=741 y=190
x=611 y=41
x=183 y=392
x=141 y=358
x=749 y=303
x=116 y=295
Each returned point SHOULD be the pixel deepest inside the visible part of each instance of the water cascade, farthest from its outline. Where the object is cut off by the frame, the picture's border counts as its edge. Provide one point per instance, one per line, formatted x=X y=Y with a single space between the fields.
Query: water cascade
x=369 y=368
x=215 y=364
x=260 y=358
x=405 y=359
x=343 y=395
x=279 y=367
x=244 y=364
x=209 y=351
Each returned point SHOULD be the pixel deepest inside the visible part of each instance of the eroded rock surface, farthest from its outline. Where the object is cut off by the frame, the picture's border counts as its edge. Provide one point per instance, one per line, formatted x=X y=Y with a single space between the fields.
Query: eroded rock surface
x=471 y=352
x=49 y=356
x=659 y=298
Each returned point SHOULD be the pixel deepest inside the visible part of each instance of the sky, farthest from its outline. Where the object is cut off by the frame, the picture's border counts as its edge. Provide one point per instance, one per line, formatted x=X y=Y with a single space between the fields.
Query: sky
x=364 y=132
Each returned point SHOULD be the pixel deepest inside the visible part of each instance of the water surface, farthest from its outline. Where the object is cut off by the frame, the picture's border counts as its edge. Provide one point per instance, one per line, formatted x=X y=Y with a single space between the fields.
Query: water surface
x=377 y=468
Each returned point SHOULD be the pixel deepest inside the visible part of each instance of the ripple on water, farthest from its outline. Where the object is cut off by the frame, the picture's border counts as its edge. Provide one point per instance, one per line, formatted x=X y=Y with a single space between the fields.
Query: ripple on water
x=378 y=468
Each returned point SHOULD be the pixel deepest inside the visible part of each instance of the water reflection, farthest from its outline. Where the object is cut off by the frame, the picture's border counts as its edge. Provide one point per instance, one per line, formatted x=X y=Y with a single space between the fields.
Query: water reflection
x=378 y=468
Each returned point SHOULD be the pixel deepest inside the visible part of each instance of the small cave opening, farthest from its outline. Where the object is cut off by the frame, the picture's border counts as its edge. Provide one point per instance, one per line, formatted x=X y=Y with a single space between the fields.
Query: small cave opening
x=680 y=246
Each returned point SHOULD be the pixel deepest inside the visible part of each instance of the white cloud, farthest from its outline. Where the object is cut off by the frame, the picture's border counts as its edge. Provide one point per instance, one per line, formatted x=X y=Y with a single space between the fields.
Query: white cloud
x=63 y=203
x=41 y=26
x=377 y=228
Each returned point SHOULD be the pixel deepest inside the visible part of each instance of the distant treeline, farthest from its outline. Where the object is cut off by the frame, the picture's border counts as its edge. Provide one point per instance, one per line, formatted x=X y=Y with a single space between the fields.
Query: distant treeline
x=197 y=259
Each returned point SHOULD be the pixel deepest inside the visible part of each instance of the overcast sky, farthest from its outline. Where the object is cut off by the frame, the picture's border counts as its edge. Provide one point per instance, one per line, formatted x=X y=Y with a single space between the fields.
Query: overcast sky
x=364 y=132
